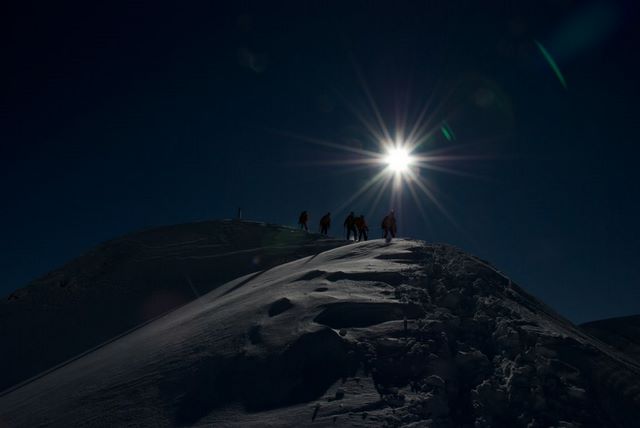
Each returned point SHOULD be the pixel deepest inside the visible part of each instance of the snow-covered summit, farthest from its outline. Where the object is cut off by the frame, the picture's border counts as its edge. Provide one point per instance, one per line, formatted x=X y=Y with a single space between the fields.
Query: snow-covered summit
x=369 y=334
x=130 y=280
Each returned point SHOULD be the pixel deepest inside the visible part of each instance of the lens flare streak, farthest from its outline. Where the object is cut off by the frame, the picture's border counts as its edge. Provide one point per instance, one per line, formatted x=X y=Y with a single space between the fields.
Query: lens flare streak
x=552 y=63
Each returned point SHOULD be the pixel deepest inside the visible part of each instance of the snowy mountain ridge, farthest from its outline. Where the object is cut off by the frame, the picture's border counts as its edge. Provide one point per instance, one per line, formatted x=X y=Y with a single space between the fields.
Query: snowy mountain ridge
x=369 y=334
x=130 y=280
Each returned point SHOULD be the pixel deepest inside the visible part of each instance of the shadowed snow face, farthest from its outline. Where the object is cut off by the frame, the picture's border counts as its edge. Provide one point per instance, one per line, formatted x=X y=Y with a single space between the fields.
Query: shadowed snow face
x=130 y=280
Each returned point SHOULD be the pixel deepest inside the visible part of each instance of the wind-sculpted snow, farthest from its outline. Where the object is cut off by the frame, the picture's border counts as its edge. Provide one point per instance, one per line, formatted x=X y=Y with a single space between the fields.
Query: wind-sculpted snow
x=372 y=334
x=131 y=280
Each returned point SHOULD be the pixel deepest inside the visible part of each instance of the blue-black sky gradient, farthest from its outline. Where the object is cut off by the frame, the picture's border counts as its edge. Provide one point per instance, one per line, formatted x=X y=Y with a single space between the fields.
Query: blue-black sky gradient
x=122 y=117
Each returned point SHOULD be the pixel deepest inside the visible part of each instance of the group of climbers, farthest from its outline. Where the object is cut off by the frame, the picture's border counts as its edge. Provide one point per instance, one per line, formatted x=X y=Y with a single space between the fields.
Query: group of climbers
x=357 y=226
x=354 y=225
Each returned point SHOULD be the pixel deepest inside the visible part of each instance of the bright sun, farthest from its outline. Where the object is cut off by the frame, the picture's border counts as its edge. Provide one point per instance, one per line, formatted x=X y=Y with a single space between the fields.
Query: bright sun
x=398 y=159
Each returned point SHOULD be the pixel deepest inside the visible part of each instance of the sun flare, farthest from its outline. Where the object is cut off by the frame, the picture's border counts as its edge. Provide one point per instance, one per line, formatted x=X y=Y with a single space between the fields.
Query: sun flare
x=398 y=159
x=402 y=157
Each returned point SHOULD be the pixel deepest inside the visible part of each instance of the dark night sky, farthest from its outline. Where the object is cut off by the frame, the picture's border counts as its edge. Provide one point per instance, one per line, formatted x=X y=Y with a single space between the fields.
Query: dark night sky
x=117 y=118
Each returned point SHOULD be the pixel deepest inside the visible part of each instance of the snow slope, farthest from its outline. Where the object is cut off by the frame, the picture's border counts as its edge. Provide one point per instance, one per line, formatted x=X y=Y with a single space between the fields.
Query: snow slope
x=370 y=334
x=622 y=333
x=130 y=280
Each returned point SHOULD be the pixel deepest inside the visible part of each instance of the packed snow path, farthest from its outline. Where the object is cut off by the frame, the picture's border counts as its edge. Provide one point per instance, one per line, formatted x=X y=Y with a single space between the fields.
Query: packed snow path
x=370 y=334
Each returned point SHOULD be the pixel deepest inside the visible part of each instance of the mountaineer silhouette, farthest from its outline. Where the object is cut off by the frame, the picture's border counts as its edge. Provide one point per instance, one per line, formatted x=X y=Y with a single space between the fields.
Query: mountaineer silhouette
x=350 y=225
x=389 y=226
x=362 y=227
x=325 y=224
x=303 y=220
